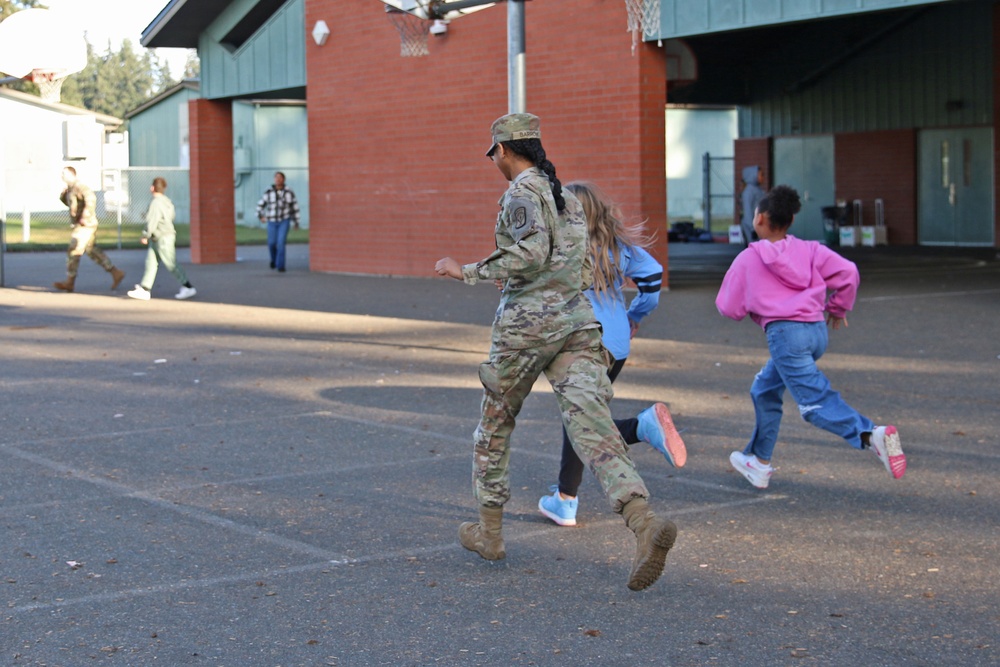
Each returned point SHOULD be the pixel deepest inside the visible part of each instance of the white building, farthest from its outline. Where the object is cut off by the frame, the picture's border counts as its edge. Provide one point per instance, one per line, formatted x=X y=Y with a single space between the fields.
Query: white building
x=39 y=138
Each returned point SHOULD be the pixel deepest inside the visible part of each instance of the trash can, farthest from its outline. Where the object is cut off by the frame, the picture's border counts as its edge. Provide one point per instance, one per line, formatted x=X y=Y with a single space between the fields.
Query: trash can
x=833 y=218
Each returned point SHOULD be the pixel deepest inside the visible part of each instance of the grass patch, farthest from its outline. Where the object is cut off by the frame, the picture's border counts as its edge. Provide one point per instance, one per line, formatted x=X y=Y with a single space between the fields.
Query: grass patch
x=54 y=235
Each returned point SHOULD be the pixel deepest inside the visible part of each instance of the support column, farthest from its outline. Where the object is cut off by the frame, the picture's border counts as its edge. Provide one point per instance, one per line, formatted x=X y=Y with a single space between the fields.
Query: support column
x=213 y=213
x=996 y=125
x=652 y=102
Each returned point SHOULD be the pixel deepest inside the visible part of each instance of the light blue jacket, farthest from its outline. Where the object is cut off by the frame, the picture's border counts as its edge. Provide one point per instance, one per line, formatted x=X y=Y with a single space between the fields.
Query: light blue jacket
x=610 y=309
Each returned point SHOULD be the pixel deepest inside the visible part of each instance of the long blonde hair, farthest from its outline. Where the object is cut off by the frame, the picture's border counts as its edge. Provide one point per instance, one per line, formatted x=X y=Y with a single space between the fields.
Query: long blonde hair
x=607 y=233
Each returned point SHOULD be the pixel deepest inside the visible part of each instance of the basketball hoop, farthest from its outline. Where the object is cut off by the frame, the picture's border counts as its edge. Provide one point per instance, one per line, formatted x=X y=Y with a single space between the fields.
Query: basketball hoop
x=643 y=19
x=43 y=47
x=413 y=32
x=49 y=83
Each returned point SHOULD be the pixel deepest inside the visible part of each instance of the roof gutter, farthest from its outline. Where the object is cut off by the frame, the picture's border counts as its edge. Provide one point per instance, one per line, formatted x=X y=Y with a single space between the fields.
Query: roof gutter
x=162 y=19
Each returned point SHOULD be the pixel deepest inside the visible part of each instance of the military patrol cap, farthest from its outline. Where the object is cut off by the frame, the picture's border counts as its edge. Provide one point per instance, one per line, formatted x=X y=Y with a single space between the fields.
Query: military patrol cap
x=514 y=126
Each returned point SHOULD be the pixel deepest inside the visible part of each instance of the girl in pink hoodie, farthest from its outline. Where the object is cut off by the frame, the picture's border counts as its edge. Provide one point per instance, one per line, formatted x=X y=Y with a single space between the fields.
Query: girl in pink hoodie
x=782 y=283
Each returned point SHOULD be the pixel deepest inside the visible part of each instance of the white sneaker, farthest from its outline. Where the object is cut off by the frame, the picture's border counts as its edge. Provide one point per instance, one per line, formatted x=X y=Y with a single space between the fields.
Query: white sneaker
x=757 y=474
x=186 y=293
x=884 y=441
x=139 y=292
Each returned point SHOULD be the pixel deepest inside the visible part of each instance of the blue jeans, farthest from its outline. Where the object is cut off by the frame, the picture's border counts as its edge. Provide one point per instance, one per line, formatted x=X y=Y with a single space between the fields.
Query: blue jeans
x=277 y=234
x=795 y=347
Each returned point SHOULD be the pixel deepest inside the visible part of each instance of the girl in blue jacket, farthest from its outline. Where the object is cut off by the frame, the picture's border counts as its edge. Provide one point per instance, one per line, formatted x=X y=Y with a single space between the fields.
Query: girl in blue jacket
x=617 y=254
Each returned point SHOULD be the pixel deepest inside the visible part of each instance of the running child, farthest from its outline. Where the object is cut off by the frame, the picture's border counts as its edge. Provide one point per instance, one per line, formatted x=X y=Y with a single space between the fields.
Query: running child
x=783 y=284
x=618 y=253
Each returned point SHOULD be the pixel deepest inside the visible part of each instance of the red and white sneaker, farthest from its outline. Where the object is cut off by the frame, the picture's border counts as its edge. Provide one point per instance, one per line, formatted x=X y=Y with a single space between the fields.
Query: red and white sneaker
x=756 y=473
x=884 y=441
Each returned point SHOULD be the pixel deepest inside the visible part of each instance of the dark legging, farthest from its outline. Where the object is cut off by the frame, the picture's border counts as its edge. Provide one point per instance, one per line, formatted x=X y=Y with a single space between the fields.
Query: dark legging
x=571 y=467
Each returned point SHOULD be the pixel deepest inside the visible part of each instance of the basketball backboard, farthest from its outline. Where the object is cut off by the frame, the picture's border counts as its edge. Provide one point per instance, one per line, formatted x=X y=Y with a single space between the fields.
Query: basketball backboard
x=438 y=9
x=39 y=41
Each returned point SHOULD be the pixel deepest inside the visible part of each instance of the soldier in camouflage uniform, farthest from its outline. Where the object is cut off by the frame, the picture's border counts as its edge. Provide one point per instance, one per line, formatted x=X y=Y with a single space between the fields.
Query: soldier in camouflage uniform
x=545 y=324
x=83 y=216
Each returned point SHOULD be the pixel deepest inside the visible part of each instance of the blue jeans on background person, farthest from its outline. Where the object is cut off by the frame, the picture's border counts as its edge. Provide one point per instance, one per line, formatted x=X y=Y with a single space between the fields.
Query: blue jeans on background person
x=795 y=347
x=277 y=235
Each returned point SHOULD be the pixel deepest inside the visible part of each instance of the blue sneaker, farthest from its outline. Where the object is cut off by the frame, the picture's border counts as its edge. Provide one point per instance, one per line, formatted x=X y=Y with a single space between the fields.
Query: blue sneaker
x=657 y=428
x=561 y=511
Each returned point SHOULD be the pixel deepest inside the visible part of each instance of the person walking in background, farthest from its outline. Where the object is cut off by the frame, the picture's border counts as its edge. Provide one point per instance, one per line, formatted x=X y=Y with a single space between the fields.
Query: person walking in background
x=161 y=237
x=617 y=254
x=278 y=209
x=783 y=284
x=545 y=324
x=749 y=198
x=82 y=204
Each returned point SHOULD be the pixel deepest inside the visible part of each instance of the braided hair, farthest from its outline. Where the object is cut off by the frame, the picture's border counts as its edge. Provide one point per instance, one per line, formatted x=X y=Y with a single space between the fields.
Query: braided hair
x=531 y=150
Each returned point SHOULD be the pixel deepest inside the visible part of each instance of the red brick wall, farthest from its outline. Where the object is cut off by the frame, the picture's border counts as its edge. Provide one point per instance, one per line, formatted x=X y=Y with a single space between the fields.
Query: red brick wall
x=746 y=153
x=213 y=215
x=872 y=165
x=398 y=175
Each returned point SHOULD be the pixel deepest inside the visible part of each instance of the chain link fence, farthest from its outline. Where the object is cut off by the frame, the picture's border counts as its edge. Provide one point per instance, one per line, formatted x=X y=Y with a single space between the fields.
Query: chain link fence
x=34 y=214
x=718 y=197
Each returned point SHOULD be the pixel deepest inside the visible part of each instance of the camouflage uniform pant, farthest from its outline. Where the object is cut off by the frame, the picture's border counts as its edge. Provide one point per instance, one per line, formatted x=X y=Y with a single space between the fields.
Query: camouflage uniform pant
x=81 y=242
x=575 y=368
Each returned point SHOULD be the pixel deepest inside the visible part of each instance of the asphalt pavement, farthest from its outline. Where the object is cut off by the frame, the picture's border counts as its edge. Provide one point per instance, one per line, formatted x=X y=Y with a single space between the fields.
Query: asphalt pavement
x=273 y=474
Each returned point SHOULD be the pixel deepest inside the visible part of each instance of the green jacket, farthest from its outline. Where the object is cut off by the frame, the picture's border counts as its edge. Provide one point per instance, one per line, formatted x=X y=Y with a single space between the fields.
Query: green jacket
x=542 y=260
x=160 y=218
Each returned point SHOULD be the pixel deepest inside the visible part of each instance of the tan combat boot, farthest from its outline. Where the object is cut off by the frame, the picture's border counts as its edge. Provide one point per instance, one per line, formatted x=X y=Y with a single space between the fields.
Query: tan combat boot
x=653 y=539
x=66 y=285
x=116 y=277
x=484 y=537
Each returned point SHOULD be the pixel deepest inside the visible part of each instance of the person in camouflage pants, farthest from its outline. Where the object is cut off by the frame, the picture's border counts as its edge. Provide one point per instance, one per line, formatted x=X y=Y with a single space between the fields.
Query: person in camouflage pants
x=82 y=205
x=546 y=324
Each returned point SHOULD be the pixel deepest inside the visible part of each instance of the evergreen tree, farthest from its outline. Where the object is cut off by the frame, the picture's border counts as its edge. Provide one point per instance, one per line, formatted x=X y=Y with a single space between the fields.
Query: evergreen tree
x=192 y=67
x=119 y=81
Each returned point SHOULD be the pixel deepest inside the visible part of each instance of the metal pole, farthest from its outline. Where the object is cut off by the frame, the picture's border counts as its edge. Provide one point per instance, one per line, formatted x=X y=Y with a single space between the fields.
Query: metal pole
x=3 y=239
x=3 y=212
x=516 y=83
x=120 y=198
x=706 y=190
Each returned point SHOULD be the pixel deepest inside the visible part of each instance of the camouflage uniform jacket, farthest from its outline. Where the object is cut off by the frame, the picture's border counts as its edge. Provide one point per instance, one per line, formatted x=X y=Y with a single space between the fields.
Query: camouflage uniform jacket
x=542 y=261
x=160 y=218
x=82 y=203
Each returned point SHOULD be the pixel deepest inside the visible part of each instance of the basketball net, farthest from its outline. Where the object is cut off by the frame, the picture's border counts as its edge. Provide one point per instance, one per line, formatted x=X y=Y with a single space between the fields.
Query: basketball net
x=643 y=19
x=49 y=84
x=413 y=32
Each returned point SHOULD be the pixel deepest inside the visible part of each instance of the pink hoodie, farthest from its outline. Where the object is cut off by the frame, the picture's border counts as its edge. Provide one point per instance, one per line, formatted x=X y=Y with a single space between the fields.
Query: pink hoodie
x=787 y=280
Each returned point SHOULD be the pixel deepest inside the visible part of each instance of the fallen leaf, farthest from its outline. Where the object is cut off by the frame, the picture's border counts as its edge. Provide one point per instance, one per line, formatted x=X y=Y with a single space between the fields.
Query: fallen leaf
x=592 y=633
